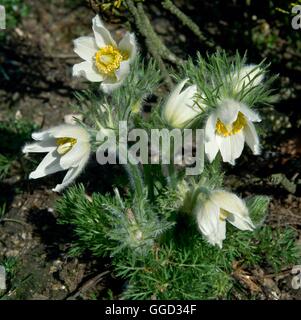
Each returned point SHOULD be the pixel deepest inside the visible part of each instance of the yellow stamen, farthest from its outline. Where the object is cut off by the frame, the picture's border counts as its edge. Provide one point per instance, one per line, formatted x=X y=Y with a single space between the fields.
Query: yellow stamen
x=230 y=129
x=108 y=59
x=223 y=214
x=65 y=145
x=117 y=3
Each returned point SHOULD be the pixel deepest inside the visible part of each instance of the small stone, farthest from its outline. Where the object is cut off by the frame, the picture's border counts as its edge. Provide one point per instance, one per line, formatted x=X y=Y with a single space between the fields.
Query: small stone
x=16 y=96
x=161 y=26
x=182 y=38
x=18 y=115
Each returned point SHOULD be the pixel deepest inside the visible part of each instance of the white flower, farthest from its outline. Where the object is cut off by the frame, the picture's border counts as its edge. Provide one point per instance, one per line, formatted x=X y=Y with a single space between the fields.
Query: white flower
x=68 y=147
x=220 y=207
x=105 y=61
x=180 y=108
x=228 y=128
x=247 y=77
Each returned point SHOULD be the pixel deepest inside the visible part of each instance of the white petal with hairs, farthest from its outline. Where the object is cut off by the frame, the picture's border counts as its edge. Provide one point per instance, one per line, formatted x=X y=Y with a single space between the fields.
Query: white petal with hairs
x=68 y=148
x=181 y=107
x=247 y=77
x=221 y=207
x=104 y=60
x=227 y=130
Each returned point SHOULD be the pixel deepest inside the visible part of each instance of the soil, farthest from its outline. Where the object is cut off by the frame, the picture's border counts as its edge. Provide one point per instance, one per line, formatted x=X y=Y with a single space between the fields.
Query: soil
x=40 y=88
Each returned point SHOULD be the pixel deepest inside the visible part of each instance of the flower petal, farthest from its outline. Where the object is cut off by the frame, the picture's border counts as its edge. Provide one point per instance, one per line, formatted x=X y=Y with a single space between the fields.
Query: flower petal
x=108 y=86
x=210 y=128
x=224 y=144
x=231 y=147
x=71 y=175
x=85 y=47
x=176 y=92
x=185 y=110
x=227 y=111
x=180 y=108
x=41 y=146
x=235 y=207
x=249 y=113
x=123 y=70
x=237 y=144
x=241 y=222
x=102 y=34
x=43 y=135
x=252 y=139
x=128 y=44
x=208 y=220
x=86 y=69
x=211 y=149
x=172 y=101
x=72 y=158
x=221 y=233
x=71 y=131
x=50 y=164
x=248 y=76
x=229 y=202
x=112 y=83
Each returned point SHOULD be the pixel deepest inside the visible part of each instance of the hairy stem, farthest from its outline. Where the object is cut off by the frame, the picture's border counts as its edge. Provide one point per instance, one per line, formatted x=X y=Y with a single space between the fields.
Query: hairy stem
x=153 y=42
x=167 y=4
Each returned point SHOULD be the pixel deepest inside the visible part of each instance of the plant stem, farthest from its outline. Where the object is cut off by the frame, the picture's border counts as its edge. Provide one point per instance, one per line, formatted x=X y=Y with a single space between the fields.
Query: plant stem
x=167 y=4
x=154 y=44
x=14 y=221
x=135 y=178
x=149 y=181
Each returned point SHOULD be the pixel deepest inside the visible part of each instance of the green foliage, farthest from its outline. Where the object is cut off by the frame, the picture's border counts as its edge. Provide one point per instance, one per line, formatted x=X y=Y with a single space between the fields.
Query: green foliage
x=19 y=281
x=107 y=110
x=106 y=225
x=15 y=11
x=5 y=165
x=13 y=134
x=10 y=265
x=2 y=210
x=148 y=226
x=258 y=206
x=179 y=264
x=213 y=75
x=187 y=267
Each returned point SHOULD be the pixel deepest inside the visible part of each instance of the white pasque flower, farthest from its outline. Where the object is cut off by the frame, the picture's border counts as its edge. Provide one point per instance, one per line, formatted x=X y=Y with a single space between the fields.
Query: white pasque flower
x=247 y=77
x=181 y=108
x=222 y=206
x=105 y=61
x=68 y=148
x=228 y=128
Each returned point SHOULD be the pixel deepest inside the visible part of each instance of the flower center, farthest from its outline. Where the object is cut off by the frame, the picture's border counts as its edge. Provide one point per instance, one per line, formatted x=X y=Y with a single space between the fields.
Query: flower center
x=223 y=214
x=108 y=59
x=64 y=145
x=230 y=129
